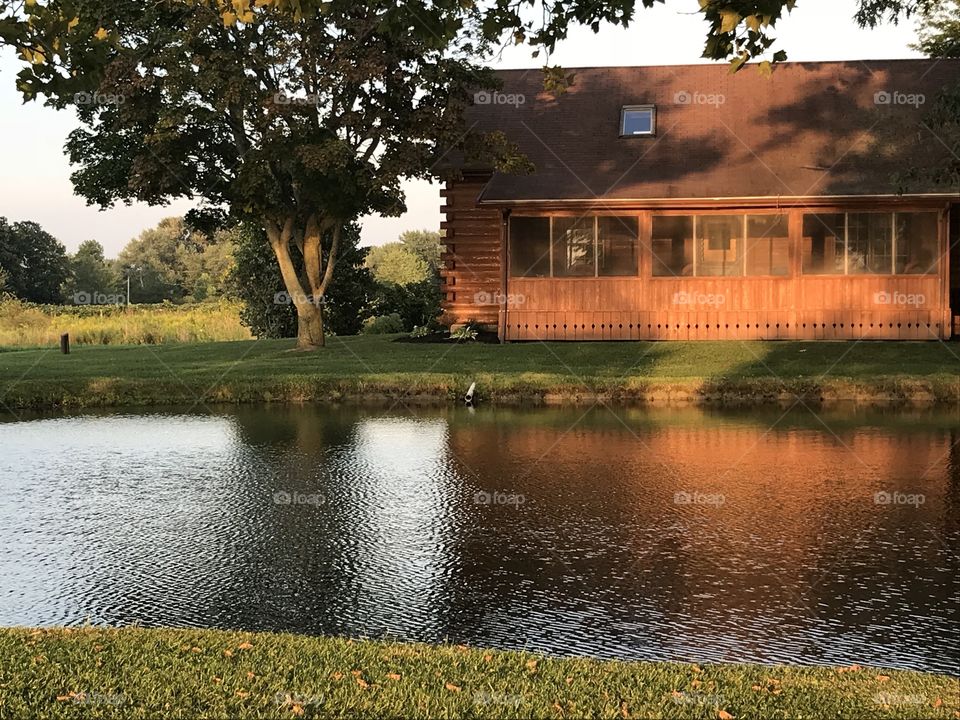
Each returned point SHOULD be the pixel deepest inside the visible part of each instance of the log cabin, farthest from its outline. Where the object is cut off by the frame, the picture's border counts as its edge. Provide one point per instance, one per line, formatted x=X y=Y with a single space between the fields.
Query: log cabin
x=683 y=202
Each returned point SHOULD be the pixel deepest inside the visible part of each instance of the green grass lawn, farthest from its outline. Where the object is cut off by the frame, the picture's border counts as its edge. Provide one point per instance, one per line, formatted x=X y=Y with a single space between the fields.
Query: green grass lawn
x=138 y=673
x=377 y=367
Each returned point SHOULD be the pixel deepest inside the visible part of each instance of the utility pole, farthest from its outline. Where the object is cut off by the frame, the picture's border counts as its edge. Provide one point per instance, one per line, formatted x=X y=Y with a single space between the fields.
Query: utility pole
x=131 y=269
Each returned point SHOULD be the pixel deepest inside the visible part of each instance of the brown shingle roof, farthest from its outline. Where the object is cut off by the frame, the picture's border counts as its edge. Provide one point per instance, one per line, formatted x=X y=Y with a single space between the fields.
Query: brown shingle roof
x=811 y=129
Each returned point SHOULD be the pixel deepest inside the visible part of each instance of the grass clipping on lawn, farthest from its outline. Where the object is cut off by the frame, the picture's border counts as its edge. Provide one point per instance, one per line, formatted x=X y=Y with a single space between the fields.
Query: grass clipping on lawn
x=149 y=673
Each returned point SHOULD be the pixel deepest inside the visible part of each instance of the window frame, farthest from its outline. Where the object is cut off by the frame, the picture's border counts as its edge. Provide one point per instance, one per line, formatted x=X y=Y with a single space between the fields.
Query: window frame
x=785 y=216
x=940 y=250
x=742 y=261
x=644 y=243
x=595 y=218
x=637 y=244
x=509 y=250
x=633 y=108
x=593 y=246
x=892 y=215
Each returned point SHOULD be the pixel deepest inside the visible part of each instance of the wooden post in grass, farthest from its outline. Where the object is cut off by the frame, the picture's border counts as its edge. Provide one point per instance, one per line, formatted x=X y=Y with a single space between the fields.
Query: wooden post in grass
x=65 y=343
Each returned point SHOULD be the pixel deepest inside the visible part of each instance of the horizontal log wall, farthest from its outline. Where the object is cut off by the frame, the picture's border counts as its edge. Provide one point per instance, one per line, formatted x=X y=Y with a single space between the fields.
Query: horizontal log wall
x=955 y=267
x=472 y=261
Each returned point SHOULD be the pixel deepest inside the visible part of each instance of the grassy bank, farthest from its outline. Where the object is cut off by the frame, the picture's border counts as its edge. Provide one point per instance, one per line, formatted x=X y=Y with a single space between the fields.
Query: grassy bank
x=137 y=673
x=375 y=367
x=25 y=325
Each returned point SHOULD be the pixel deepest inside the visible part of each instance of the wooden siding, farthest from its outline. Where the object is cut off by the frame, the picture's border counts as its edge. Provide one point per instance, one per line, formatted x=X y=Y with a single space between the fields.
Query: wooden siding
x=751 y=309
x=955 y=266
x=472 y=261
x=643 y=307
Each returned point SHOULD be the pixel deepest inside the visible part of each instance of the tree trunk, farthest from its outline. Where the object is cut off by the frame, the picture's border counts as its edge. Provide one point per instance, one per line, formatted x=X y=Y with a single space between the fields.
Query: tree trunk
x=312 y=240
x=310 y=327
x=309 y=314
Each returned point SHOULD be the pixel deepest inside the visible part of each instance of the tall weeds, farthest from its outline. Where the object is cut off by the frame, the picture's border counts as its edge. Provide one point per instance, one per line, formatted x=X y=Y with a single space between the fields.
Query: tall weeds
x=24 y=325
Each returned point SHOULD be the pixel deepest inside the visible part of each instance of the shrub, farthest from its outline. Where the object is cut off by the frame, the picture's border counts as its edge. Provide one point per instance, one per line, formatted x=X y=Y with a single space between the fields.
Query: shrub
x=466 y=333
x=416 y=304
x=383 y=325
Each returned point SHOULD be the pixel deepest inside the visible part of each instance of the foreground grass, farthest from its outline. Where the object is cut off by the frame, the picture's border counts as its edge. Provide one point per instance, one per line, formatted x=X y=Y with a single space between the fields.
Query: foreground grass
x=375 y=367
x=138 y=673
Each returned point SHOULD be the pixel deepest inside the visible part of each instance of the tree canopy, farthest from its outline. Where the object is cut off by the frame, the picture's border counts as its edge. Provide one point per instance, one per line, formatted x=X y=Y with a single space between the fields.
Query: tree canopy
x=175 y=261
x=91 y=275
x=33 y=263
x=397 y=264
x=425 y=244
x=940 y=31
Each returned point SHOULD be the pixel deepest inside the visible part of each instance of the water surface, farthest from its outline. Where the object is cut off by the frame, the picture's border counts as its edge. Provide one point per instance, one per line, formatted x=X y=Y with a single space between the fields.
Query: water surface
x=662 y=534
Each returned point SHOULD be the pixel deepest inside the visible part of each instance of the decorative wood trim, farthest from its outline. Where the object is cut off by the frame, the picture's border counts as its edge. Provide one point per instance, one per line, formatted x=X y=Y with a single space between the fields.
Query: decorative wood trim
x=719 y=205
x=504 y=276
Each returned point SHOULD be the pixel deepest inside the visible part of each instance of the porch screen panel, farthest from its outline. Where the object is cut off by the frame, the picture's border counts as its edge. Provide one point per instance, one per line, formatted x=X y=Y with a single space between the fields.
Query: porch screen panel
x=822 y=248
x=530 y=246
x=617 y=245
x=869 y=243
x=917 y=243
x=574 y=247
x=672 y=244
x=720 y=245
x=768 y=245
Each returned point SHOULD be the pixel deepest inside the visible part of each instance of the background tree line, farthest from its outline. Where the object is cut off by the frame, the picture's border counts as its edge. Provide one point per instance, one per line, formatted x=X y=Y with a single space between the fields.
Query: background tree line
x=388 y=288
x=169 y=263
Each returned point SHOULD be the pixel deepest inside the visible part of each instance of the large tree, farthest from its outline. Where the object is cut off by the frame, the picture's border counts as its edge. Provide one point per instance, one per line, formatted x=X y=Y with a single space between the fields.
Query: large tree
x=425 y=244
x=90 y=273
x=208 y=263
x=153 y=262
x=301 y=122
x=177 y=261
x=33 y=263
x=397 y=264
x=736 y=30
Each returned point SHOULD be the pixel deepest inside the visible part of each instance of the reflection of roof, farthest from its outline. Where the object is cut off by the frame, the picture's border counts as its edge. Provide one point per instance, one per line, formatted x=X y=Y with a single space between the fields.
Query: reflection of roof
x=810 y=129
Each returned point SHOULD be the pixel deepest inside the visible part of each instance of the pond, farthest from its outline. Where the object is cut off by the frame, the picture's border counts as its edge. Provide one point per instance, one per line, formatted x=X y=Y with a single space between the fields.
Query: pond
x=660 y=534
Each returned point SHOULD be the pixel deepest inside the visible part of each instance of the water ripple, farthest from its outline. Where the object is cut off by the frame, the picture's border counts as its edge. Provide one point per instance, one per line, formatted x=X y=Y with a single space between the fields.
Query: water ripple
x=659 y=535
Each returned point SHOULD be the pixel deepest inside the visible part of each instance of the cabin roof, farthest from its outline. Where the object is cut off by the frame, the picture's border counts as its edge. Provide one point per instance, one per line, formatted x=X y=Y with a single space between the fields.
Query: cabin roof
x=808 y=130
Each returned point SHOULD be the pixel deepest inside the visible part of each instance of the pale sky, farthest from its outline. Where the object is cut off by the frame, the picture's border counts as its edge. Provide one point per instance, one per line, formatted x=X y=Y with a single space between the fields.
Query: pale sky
x=35 y=176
